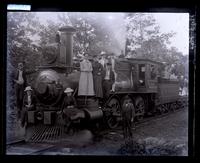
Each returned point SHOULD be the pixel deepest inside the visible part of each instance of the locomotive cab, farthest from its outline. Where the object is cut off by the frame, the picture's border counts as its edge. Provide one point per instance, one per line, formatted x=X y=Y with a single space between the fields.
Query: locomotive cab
x=142 y=75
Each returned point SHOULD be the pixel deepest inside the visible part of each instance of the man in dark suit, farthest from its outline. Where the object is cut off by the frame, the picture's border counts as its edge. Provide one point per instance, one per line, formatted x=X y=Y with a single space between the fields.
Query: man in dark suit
x=108 y=80
x=128 y=114
x=20 y=84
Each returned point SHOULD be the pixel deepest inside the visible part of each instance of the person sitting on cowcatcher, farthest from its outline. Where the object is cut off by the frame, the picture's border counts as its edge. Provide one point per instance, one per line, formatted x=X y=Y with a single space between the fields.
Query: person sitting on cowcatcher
x=71 y=114
x=29 y=103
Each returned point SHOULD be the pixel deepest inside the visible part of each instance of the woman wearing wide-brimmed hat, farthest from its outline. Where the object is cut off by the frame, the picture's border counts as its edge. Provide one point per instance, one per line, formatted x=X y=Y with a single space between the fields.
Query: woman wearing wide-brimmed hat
x=86 y=86
x=98 y=77
x=29 y=103
x=69 y=109
x=69 y=100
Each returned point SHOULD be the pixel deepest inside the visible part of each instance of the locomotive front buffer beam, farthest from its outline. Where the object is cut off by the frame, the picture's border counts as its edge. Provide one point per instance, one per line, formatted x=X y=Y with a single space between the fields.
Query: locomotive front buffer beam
x=55 y=117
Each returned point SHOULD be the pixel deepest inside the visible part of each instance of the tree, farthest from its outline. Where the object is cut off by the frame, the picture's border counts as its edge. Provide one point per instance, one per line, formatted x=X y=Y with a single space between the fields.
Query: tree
x=91 y=35
x=179 y=63
x=144 y=38
x=84 y=36
x=152 y=49
x=21 y=29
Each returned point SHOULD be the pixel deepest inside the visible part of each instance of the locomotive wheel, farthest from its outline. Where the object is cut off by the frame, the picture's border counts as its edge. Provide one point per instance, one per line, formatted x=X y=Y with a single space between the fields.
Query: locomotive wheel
x=159 y=109
x=177 y=105
x=114 y=110
x=165 y=108
x=181 y=104
x=139 y=108
x=172 y=106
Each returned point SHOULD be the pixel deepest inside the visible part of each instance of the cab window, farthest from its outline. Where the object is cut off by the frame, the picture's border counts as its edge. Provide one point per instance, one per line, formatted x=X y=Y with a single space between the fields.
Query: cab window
x=142 y=70
x=152 y=72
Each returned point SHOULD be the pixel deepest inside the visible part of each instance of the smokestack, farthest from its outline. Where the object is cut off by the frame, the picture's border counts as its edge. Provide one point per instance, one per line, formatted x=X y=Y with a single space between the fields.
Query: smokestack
x=66 y=45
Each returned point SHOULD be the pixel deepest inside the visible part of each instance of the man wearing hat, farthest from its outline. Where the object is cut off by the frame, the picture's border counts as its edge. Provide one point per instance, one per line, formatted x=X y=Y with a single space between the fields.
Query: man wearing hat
x=108 y=79
x=20 y=84
x=128 y=114
x=29 y=103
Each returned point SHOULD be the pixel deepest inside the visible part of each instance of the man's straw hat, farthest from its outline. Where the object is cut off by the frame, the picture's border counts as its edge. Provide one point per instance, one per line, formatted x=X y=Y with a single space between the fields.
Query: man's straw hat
x=68 y=90
x=28 y=88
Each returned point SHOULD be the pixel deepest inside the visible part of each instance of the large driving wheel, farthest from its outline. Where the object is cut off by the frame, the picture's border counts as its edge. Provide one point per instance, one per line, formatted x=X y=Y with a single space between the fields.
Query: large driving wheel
x=114 y=110
x=139 y=108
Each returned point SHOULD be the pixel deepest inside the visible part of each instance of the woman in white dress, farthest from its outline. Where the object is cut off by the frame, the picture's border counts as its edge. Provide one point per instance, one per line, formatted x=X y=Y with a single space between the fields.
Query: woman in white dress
x=86 y=86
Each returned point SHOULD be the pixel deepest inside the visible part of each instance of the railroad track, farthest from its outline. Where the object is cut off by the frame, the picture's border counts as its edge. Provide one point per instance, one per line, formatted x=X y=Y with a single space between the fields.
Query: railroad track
x=20 y=147
x=17 y=141
x=146 y=120
x=28 y=148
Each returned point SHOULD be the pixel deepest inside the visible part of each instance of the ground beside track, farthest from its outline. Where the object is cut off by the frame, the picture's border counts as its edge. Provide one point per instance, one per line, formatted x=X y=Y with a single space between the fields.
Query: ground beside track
x=172 y=128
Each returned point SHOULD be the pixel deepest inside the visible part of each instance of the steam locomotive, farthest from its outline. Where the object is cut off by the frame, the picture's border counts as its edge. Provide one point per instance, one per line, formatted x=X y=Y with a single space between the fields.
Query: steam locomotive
x=139 y=79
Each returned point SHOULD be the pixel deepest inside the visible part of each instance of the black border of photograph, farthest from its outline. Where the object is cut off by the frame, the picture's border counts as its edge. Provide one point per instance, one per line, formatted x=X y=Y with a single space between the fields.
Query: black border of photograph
x=113 y=6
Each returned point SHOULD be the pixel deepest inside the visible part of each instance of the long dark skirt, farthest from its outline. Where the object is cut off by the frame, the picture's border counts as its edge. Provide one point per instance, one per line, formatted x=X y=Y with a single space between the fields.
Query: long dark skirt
x=69 y=113
x=98 y=86
x=107 y=86
x=19 y=94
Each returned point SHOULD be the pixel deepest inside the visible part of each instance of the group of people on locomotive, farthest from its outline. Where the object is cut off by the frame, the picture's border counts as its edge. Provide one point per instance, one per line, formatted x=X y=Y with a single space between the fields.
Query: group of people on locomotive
x=97 y=78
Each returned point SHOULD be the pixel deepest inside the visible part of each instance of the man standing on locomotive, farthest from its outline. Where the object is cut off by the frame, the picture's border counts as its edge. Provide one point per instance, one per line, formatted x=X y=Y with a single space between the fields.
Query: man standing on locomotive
x=109 y=79
x=20 y=84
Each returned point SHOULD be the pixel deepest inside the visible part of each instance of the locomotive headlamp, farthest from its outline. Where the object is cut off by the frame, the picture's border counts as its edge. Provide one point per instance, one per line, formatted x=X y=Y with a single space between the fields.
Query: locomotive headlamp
x=42 y=88
x=39 y=116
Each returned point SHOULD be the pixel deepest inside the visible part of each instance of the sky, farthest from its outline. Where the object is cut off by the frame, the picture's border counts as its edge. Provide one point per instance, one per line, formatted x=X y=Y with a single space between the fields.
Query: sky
x=179 y=23
x=168 y=22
